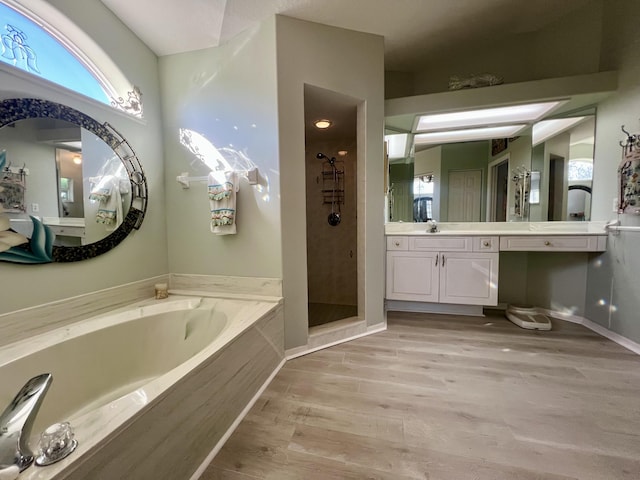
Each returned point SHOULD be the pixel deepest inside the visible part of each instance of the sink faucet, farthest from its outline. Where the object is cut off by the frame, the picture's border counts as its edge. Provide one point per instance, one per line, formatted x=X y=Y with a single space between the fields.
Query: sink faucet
x=16 y=422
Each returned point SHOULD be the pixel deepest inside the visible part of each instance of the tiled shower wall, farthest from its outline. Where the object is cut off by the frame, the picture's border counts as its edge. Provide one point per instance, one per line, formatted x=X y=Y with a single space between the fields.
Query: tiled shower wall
x=331 y=251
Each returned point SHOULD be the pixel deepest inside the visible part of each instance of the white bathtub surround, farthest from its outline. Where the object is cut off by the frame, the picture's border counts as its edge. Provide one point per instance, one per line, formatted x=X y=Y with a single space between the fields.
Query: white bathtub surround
x=28 y=322
x=9 y=473
x=203 y=466
x=220 y=284
x=186 y=368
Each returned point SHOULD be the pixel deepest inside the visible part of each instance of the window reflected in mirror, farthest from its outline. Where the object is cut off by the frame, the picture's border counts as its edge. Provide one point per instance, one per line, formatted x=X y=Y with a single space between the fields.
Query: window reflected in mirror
x=423 y=198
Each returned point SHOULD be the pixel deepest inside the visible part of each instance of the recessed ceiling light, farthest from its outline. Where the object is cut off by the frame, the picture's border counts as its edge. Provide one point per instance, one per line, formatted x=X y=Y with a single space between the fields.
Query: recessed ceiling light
x=322 y=124
x=468 y=135
x=487 y=116
x=342 y=153
x=77 y=159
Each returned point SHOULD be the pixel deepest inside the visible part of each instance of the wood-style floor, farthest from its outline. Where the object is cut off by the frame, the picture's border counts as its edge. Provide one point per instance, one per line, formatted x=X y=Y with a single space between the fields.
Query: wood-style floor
x=451 y=398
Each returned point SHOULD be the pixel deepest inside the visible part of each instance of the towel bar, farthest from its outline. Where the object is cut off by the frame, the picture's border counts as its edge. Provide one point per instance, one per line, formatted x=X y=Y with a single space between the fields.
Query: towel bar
x=615 y=228
x=185 y=180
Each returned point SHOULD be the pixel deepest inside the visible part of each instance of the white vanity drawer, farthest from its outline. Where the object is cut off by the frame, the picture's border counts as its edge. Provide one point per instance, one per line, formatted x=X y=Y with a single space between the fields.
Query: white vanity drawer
x=68 y=231
x=551 y=243
x=486 y=244
x=440 y=243
x=397 y=243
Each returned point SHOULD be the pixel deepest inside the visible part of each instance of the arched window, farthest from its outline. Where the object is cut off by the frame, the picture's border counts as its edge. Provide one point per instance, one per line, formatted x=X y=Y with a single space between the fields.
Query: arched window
x=30 y=44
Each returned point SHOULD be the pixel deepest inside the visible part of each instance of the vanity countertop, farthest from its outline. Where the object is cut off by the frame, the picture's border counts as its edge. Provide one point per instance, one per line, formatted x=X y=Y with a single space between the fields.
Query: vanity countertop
x=64 y=221
x=499 y=228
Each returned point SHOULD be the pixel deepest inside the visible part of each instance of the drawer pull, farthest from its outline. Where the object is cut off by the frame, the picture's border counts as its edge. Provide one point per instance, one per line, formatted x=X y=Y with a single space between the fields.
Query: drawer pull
x=396 y=243
x=485 y=243
x=547 y=243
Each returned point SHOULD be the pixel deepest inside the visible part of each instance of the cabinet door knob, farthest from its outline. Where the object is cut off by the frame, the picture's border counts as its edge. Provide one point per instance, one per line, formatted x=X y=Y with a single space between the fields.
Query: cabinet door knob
x=443 y=259
x=396 y=243
x=485 y=243
x=547 y=243
x=437 y=259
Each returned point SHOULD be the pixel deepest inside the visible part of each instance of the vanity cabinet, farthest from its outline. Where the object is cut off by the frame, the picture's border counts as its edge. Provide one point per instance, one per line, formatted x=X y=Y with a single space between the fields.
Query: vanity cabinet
x=452 y=270
x=553 y=243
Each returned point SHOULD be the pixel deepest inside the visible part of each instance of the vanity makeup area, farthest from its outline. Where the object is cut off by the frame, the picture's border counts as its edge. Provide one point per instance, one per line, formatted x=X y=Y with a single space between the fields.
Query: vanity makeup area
x=467 y=183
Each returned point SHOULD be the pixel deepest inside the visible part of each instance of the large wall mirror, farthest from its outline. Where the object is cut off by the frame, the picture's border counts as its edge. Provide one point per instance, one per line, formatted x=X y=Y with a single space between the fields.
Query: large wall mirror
x=71 y=188
x=520 y=152
x=541 y=173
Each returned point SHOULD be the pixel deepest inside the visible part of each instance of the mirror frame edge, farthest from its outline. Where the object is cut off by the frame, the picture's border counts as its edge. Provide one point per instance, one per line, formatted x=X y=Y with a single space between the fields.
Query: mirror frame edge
x=15 y=109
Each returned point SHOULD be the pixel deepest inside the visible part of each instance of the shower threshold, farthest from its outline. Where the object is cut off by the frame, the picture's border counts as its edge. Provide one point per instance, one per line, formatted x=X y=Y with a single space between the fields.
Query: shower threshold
x=323 y=313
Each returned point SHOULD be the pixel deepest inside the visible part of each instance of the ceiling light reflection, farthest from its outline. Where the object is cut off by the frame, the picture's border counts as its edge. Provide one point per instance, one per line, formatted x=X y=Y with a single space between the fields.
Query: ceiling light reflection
x=485 y=116
x=468 y=135
x=542 y=131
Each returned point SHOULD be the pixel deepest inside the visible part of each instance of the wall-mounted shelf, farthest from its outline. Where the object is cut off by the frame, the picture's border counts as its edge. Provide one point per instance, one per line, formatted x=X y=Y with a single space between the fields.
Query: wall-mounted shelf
x=333 y=184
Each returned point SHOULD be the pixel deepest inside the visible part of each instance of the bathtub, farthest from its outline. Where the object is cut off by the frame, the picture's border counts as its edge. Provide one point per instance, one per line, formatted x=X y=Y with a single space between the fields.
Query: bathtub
x=150 y=389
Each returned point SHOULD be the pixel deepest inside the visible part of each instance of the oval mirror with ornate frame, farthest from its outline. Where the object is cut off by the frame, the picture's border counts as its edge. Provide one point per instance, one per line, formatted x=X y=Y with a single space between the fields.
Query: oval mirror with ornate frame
x=45 y=241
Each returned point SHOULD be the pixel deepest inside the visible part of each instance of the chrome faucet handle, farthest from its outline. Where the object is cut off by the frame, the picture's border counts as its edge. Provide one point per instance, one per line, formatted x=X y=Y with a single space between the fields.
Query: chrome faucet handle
x=17 y=420
x=432 y=226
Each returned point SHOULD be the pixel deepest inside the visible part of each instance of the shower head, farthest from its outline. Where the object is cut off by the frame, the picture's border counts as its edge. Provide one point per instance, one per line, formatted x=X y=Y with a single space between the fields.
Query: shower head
x=321 y=155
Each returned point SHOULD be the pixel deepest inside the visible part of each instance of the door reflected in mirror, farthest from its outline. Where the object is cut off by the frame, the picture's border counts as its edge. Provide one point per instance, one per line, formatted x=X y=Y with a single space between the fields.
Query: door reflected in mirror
x=70 y=191
x=75 y=182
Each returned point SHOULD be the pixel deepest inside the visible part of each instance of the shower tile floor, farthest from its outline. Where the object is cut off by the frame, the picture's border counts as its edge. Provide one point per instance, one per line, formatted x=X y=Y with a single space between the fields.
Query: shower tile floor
x=446 y=398
x=321 y=313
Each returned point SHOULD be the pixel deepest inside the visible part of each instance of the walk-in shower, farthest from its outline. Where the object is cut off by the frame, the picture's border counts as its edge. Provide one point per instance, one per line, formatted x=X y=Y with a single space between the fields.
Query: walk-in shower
x=331 y=182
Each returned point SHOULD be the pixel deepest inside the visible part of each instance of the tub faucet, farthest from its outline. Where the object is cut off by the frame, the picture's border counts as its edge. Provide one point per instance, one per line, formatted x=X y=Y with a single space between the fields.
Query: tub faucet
x=16 y=422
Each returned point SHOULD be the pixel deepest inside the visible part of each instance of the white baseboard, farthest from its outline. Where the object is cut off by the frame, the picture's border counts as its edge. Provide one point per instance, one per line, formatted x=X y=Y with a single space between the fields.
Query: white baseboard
x=203 y=466
x=439 y=308
x=305 y=349
x=613 y=336
x=595 y=327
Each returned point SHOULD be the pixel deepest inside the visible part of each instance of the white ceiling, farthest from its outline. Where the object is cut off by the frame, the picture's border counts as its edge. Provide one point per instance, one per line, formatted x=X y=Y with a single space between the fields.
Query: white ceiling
x=415 y=31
